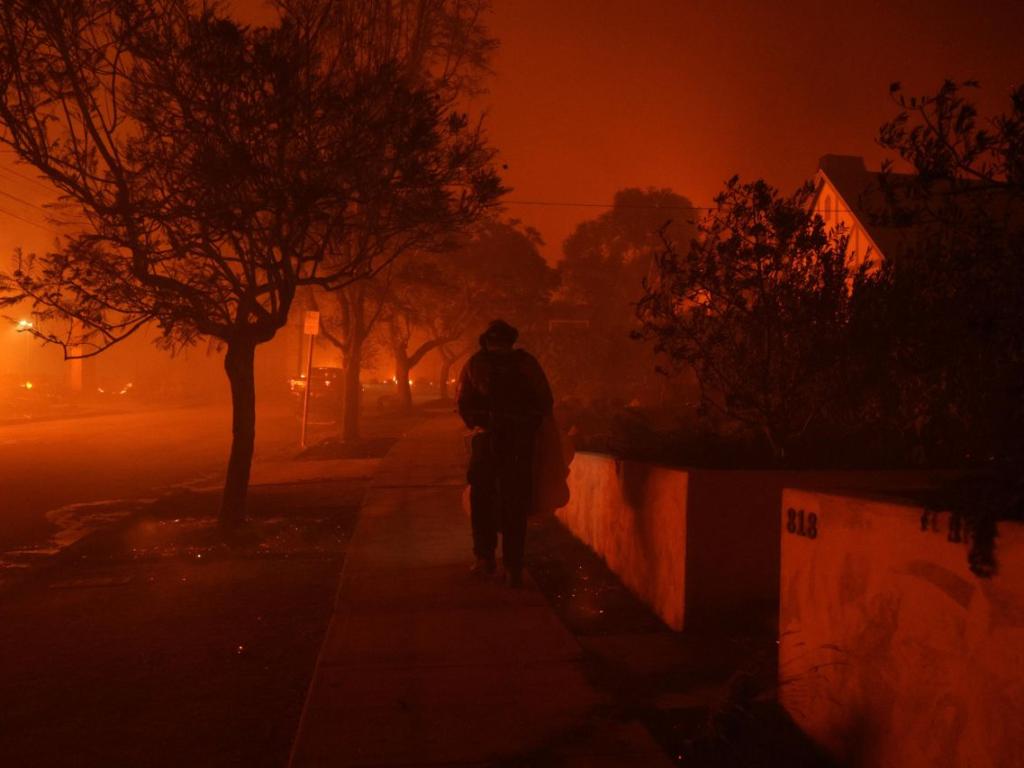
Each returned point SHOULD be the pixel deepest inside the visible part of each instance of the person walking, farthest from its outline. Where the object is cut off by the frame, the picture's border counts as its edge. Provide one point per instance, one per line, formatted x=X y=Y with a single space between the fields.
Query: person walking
x=504 y=397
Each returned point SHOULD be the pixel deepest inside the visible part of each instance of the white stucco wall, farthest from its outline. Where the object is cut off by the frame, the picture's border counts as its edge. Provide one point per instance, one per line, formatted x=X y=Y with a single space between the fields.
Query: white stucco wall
x=891 y=652
x=634 y=516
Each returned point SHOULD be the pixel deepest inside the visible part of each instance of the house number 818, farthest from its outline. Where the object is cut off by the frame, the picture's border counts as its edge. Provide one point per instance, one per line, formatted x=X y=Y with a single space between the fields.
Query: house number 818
x=802 y=524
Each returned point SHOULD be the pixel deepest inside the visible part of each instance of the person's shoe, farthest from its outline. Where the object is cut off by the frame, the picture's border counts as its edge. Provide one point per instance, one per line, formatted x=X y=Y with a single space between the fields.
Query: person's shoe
x=514 y=578
x=483 y=568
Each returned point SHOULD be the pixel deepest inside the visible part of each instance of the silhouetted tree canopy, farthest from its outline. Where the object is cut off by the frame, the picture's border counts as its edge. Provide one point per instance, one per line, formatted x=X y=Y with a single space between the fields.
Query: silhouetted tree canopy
x=499 y=272
x=605 y=262
x=443 y=47
x=757 y=306
x=496 y=270
x=949 y=308
x=606 y=258
x=219 y=167
x=953 y=297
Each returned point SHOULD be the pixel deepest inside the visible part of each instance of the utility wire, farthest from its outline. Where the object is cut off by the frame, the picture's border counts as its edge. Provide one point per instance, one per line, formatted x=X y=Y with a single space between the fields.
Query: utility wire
x=568 y=204
x=19 y=174
x=537 y=203
x=574 y=204
x=26 y=177
x=23 y=201
x=540 y=203
x=13 y=215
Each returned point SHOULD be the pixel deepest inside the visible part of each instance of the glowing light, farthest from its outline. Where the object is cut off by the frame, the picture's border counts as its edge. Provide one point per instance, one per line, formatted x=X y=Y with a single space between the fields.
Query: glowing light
x=24 y=325
x=28 y=385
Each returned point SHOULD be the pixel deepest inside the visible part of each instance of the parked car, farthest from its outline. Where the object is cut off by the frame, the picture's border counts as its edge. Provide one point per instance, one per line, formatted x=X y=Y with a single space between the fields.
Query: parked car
x=116 y=388
x=327 y=384
x=380 y=394
x=27 y=395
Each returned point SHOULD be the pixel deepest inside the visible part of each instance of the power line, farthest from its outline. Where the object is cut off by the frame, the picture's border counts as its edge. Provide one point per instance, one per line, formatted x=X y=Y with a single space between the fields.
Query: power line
x=23 y=201
x=26 y=177
x=568 y=204
x=43 y=227
x=541 y=203
x=651 y=206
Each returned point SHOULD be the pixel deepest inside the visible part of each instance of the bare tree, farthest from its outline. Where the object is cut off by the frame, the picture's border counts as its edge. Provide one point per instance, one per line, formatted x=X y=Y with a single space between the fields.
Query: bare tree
x=418 y=297
x=450 y=355
x=444 y=46
x=445 y=42
x=348 y=320
x=217 y=168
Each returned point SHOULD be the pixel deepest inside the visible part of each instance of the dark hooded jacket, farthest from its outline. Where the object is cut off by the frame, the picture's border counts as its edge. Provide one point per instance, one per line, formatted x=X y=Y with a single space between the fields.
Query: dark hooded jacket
x=501 y=389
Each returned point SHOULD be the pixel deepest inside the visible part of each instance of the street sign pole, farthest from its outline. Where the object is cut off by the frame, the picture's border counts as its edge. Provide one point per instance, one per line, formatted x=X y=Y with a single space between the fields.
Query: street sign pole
x=311 y=329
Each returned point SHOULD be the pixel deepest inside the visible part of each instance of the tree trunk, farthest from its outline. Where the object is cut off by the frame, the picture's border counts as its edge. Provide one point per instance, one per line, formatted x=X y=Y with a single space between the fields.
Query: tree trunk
x=446 y=371
x=403 y=388
x=352 y=395
x=238 y=363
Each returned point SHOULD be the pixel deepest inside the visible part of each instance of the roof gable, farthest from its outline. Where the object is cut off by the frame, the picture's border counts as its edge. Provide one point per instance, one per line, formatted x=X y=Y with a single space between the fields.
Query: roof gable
x=863 y=198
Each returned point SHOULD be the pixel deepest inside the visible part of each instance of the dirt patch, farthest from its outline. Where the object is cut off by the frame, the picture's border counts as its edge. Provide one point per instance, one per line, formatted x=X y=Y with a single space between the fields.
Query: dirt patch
x=380 y=432
x=332 y=448
x=161 y=642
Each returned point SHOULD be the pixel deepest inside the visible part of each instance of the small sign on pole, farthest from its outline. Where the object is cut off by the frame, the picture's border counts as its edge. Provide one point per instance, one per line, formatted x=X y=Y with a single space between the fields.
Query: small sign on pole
x=311 y=327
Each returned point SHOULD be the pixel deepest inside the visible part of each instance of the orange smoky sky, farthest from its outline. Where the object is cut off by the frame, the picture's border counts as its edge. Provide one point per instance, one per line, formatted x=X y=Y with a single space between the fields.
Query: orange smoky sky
x=590 y=96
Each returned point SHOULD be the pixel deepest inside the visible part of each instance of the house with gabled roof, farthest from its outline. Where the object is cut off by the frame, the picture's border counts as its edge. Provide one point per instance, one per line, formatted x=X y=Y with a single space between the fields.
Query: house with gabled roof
x=850 y=195
x=887 y=215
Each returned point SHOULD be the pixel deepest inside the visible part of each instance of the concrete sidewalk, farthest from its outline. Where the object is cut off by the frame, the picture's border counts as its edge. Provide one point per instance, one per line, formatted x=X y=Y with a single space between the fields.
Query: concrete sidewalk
x=424 y=665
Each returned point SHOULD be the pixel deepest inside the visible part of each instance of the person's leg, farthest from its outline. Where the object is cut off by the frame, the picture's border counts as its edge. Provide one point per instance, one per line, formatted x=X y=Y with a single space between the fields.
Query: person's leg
x=516 y=487
x=483 y=515
x=513 y=544
x=483 y=505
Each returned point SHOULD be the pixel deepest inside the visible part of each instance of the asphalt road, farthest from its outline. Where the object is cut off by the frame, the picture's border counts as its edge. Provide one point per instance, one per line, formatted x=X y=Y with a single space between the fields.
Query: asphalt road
x=51 y=464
